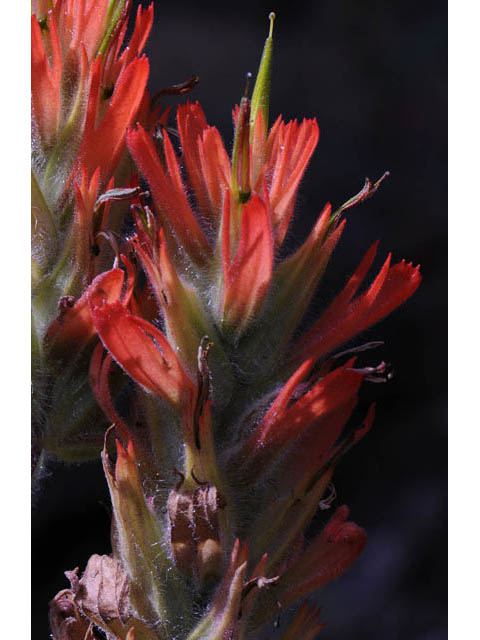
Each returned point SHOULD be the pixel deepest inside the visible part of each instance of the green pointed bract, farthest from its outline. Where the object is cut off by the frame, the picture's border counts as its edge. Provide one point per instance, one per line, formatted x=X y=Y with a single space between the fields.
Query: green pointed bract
x=75 y=436
x=261 y=91
x=44 y=233
x=222 y=624
x=114 y=14
x=155 y=591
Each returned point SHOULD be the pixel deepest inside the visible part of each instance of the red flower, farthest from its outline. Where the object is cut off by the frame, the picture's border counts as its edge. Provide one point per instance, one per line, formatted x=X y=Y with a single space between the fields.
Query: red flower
x=169 y=195
x=326 y=558
x=248 y=272
x=314 y=421
x=74 y=327
x=85 y=93
x=247 y=230
x=143 y=351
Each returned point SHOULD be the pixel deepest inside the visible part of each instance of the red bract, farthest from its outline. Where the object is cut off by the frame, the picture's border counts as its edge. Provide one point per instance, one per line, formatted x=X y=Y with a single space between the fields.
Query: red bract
x=142 y=351
x=349 y=315
x=327 y=557
x=289 y=149
x=247 y=273
x=301 y=439
x=178 y=220
x=103 y=139
x=74 y=327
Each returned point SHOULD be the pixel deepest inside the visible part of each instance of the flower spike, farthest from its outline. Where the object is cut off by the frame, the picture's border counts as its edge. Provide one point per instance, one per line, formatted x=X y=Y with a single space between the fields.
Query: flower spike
x=201 y=312
x=86 y=91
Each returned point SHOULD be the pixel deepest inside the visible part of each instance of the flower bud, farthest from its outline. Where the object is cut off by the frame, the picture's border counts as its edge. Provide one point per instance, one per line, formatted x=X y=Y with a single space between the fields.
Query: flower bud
x=241 y=149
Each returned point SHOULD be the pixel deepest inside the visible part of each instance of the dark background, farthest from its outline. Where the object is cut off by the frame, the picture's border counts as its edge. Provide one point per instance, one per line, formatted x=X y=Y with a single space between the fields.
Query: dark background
x=374 y=74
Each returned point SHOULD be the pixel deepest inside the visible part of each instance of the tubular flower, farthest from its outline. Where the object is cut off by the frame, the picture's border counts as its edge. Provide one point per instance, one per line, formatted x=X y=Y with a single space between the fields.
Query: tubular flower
x=251 y=419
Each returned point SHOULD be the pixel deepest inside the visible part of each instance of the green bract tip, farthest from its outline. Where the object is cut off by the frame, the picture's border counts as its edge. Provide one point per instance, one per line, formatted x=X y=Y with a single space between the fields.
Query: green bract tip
x=261 y=91
x=114 y=14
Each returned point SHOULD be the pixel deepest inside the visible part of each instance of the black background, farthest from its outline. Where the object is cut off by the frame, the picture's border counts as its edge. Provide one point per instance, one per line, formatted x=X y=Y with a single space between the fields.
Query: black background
x=374 y=74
